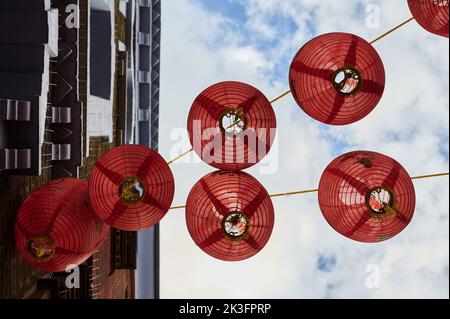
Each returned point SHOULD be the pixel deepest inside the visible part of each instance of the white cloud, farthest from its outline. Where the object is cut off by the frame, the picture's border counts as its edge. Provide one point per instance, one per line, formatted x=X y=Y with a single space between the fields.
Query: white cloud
x=411 y=124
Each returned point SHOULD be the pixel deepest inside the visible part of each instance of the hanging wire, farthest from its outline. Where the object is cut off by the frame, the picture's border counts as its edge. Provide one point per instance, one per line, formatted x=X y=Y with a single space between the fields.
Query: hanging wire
x=309 y=191
x=177 y=207
x=429 y=176
x=392 y=30
x=180 y=156
x=280 y=97
x=295 y=193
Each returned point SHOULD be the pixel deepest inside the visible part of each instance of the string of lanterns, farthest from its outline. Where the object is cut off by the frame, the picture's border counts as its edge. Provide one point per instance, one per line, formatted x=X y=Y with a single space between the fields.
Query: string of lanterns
x=336 y=78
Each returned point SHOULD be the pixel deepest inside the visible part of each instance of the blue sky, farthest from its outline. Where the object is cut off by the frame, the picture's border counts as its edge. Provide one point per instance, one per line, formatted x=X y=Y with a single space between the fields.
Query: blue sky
x=253 y=41
x=235 y=11
x=229 y=8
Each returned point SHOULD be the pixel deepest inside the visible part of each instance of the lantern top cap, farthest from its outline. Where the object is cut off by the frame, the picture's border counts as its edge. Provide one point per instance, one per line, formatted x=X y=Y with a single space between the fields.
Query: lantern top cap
x=41 y=248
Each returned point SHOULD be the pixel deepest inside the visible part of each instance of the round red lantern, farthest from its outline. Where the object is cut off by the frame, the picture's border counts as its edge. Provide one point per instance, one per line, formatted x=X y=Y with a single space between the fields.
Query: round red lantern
x=337 y=78
x=131 y=187
x=55 y=227
x=231 y=126
x=367 y=196
x=229 y=215
x=432 y=15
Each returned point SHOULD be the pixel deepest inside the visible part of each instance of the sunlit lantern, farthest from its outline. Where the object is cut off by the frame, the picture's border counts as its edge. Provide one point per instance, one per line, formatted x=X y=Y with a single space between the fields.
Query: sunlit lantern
x=432 y=15
x=229 y=215
x=56 y=229
x=337 y=78
x=131 y=187
x=231 y=125
x=367 y=196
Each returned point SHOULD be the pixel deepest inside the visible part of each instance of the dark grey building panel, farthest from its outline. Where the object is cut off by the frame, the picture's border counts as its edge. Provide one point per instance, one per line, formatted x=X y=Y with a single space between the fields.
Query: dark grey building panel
x=23 y=27
x=144 y=93
x=144 y=127
x=21 y=84
x=22 y=58
x=100 y=59
x=24 y=5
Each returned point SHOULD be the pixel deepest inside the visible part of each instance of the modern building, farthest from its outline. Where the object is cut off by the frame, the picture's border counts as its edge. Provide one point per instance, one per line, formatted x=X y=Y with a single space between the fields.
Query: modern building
x=77 y=77
x=25 y=53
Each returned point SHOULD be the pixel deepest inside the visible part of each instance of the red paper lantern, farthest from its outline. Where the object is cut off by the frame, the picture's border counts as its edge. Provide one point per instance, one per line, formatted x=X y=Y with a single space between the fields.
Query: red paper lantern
x=337 y=78
x=432 y=15
x=367 y=196
x=131 y=187
x=231 y=125
x=55 y=227
x=229 y=215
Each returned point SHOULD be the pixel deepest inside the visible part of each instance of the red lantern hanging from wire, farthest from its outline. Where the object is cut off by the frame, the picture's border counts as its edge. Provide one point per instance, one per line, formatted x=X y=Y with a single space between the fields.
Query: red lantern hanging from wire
x=131 y=187
x=229 y=215
x=55 y=227
x=432 y=15
x=367 y=196
x=337 y=78
x=231 y=125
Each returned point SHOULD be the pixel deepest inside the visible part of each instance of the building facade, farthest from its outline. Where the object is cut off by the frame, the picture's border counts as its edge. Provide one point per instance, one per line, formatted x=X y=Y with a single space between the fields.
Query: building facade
x=77 y=77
